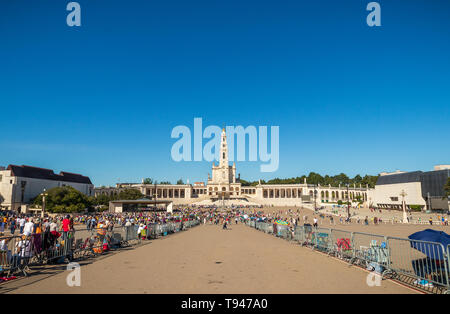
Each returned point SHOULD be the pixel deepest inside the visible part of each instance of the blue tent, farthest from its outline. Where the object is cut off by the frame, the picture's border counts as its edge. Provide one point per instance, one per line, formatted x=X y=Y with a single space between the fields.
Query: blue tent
x=431 y=250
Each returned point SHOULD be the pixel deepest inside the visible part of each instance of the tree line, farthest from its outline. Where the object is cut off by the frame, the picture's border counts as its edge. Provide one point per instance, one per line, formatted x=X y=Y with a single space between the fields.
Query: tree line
x=151 y=181
x=67 y=199
x=316 y=178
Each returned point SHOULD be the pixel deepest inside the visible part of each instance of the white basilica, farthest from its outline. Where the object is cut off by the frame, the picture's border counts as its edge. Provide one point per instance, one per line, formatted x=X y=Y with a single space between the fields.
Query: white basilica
x=223 y=182
x=223 y=185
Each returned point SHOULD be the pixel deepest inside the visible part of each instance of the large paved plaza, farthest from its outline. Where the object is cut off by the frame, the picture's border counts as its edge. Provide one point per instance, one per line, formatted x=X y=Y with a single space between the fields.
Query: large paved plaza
x=207 y=259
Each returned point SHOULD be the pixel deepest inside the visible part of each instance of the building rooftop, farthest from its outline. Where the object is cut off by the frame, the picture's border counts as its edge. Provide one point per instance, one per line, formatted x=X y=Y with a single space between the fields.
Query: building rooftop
x=399 y=177
x=441 y=167
x=47 y=174
x=415 y=176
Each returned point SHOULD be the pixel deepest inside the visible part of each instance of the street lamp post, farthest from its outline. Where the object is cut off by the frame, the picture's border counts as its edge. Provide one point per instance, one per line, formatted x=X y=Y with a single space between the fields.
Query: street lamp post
x=223 y=200
x=315 y=202
x=405 y=217
x=43 y=203
x=155 y=194
x=429 y=201
x=348 y=202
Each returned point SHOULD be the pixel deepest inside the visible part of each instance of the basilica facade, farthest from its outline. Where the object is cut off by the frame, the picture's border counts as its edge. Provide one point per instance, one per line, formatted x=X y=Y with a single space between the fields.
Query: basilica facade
x=222 y=184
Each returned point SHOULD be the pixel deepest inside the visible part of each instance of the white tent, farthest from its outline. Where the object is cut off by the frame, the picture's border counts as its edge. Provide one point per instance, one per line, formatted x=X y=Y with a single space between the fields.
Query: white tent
x=170 y=208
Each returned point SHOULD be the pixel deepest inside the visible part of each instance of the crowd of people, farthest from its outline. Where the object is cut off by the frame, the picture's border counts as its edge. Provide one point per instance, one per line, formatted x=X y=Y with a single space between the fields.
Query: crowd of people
x=29 y=224
x=24 y=237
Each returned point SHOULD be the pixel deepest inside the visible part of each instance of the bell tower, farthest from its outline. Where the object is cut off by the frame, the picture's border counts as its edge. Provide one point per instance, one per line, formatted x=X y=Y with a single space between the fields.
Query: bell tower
x=223 y=173
x=223 y=150
x=223 y=181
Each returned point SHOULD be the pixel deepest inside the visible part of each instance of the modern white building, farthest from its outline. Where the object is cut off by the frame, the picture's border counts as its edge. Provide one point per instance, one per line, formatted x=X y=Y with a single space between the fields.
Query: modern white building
x=21 y=184
x=416 y=188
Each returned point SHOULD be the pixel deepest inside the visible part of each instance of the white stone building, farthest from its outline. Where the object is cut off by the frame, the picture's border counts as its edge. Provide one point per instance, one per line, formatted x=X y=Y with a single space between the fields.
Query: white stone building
x=20 y=184
x=223 y=185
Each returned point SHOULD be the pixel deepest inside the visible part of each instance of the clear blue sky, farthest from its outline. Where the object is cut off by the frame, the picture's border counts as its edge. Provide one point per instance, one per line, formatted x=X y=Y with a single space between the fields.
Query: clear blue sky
x=102 y=99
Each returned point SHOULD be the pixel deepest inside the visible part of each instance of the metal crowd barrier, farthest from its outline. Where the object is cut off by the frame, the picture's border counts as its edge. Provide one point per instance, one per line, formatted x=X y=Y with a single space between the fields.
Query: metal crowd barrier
x=12 y=250
x=448 y=260
x=342 y=244
x=260 y=225
x=156 y=230
x=422 y=264
x=322 y=240
x=299 y=234
x=268 y=228
x=264 y=226
x=370 y=248
x=19 y=253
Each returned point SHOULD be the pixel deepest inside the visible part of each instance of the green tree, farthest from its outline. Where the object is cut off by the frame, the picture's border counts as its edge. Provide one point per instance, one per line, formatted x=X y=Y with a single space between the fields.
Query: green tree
x=65 y=199
x=126 y=194
x=130 y=194
x=100 y=200
x=416 y=208
x=357 y=180
x=314 y=178
x=359 y=199
x=447 y=187
x=179 y=182
x=369 y=180
x=148 y=181
x=342 y=179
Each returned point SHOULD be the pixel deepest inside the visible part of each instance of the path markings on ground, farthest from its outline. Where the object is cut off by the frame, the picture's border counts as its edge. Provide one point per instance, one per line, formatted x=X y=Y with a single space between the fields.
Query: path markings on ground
x=207 y=259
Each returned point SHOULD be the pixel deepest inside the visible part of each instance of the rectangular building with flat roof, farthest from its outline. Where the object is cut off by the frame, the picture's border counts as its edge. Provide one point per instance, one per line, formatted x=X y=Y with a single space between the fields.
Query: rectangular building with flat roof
x=421 y=189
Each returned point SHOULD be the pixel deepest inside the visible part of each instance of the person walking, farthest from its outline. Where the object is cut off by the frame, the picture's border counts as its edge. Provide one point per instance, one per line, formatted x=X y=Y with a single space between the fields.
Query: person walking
x=22 y=222
x=28 y=227
x=2 y=225
x=67 y=237
x=53 y=225
x=88 y=223
x=66 y=224
x=23 y=254
x=71 y=224
x=12 y=225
